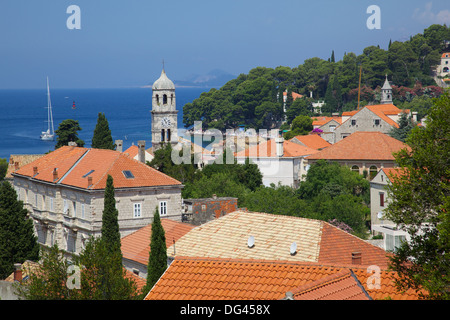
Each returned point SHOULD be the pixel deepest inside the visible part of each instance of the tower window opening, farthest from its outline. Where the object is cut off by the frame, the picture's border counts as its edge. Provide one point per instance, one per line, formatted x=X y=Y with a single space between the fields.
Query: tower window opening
x=168 y=134
x=163 y=135
x=165 y=99
x=157 y=98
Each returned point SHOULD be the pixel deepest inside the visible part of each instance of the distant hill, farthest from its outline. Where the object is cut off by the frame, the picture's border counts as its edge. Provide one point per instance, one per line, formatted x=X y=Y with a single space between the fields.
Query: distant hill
x=213 y=79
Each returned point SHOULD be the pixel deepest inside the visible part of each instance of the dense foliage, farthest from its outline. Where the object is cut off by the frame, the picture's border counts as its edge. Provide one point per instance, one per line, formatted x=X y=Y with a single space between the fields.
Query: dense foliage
x=17 y=240
x=102 y=138
x=68 y=132
x=256 y=99
x=420 y=205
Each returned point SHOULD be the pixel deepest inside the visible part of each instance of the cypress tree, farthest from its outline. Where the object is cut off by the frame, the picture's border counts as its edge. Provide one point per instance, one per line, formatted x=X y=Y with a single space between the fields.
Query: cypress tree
x=110 y=222
x=102 y=138
x=17 y=240
x=332 y=56
x=157 y=262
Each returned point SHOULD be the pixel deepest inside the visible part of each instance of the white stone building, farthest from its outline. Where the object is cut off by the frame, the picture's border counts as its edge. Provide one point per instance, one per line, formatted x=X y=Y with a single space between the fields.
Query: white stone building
x=64 y=193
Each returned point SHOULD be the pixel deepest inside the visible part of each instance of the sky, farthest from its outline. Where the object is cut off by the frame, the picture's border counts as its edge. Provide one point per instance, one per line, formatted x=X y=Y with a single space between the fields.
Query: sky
x=122 y=43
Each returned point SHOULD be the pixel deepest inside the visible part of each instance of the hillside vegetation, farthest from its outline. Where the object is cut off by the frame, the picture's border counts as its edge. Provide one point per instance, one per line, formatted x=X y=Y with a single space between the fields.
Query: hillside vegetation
x=255 y=99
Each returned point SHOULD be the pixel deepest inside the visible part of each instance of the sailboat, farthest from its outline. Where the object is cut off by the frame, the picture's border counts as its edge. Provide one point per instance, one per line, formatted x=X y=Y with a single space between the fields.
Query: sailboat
x=49 y=135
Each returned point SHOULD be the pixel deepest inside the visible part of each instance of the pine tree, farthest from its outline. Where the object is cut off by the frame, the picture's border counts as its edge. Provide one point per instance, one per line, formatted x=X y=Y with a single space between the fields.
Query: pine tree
x=157 y=262
x=68 y=132
x=102 y=138
x=17 y=240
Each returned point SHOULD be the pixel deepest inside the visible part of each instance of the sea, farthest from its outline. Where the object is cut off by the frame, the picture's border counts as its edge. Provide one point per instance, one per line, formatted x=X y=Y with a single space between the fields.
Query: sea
x=23 y=115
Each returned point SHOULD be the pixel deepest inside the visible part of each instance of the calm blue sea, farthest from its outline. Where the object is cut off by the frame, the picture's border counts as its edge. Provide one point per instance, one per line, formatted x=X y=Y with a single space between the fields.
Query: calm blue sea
x=23 y=115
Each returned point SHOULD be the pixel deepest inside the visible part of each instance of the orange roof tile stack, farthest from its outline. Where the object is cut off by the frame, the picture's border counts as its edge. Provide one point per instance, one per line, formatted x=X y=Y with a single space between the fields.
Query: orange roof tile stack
x=362 y=145
x=72 y=166
x=320 y=121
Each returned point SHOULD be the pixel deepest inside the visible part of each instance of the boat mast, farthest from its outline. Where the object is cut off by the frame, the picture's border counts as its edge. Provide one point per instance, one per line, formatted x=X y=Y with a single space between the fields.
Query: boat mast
x=50 y=114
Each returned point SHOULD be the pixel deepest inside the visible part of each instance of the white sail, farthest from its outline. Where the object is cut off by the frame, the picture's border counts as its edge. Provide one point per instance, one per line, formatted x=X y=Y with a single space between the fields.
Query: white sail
x=49 y=135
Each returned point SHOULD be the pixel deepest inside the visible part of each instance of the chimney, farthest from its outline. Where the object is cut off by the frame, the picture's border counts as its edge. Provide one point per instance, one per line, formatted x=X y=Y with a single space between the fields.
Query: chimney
x=72 y=144
x=414 y=116
x=55 y=174
x=35 y=171
x=214 y=196
x=279 y=146
x=119 y=144
x=16 y=165
x=17 y=272
x=141 y=152
x=356 y=257
x=89 y=181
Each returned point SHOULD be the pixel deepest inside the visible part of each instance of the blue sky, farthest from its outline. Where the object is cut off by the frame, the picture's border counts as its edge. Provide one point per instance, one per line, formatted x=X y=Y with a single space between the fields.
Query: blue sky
x=122 y=43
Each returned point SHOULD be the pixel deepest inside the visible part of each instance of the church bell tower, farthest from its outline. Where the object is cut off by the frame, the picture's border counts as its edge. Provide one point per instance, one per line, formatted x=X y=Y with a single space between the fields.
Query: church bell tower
x=164 y=113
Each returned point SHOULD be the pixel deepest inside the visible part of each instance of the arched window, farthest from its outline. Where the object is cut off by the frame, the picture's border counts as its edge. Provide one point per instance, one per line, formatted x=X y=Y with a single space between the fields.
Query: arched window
x=165 y=99
x=157 y=98
x=168 y=134
x=445 y=69
x=372 y=172
x=163 y=135
x=355 y=168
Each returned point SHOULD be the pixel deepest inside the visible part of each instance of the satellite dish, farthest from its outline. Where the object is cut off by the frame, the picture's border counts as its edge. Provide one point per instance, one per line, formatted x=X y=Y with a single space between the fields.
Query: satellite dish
x=380 y=215
x=251 y=241
x=293 y=248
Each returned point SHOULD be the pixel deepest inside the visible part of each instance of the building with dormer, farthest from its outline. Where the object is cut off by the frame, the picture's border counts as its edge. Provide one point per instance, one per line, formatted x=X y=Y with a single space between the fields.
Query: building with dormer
x=64 y=193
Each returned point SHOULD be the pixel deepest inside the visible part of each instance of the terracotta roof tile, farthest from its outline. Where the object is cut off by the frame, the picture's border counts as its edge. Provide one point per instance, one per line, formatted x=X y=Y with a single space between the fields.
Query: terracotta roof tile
x=21 y=160
x=268 y=149
x=136 y=246
x=362 y=145
x=320 y=121
x=74 y=163
x=313 y=141
x=342 y=285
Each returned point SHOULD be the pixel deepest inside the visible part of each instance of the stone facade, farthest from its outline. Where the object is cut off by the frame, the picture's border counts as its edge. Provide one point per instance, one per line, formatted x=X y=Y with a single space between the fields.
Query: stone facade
x=69 y=216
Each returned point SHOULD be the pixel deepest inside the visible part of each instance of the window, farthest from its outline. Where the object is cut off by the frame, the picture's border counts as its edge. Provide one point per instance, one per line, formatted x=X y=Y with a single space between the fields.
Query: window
x=381 y=199
x=51 y=204
x=82 y=210
x=353 y=122
x=355 y=169
x=36 y=201
x=373 y=172
x=163 y=208
x=66 y=207
x=88 y=173
x=165 y=99
x=74 y=208
x=157 y=98
x=332 y=127
x=376 y=122
x=203 y=207
x=136 y=210
x=168 y=134
x=163 y=133
x=128 y=174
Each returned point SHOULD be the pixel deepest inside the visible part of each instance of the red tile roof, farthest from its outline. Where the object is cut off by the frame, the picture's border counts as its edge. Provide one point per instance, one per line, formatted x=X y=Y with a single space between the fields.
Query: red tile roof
x=73 y=163
x=313 y=141
x=337 y=246
x=362 y=145
x=136 y=246
x=320 y=121
x=268 y=149
x=342 y=285
x=294 y=95
x=238 y=279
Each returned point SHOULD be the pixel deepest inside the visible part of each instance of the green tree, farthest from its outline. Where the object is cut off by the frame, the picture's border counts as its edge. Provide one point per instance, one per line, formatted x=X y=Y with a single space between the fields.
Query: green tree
x=102 y=138
x=17 y=240
x=301 y=125
x=68 y=132
x=157 y=261
x=405 y=125
x=420 y=205
x=300 y=107
x=110 y=223
x=3 y=168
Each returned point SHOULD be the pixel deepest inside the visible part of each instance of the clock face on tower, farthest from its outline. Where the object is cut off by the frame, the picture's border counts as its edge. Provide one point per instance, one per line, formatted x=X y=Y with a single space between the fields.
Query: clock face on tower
x=165 y=122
